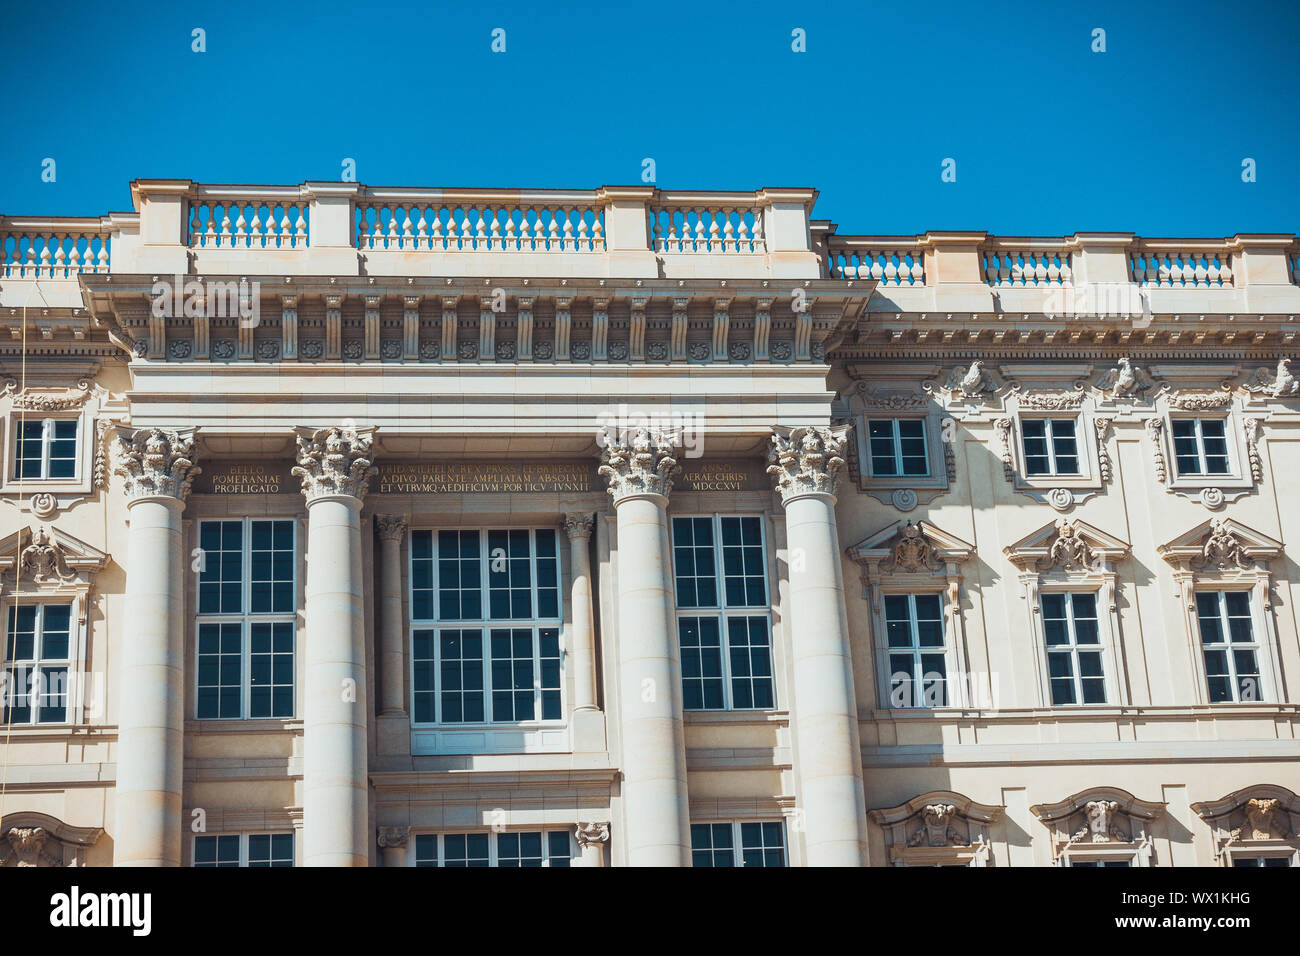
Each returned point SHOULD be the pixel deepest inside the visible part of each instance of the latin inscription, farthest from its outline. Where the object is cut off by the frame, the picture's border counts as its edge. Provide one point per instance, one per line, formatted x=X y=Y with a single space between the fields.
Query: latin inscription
x=467 y=478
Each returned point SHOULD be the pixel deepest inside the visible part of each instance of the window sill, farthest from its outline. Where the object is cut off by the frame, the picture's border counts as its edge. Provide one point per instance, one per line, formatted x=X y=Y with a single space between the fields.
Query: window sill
x=250 y=725
x=736 y=716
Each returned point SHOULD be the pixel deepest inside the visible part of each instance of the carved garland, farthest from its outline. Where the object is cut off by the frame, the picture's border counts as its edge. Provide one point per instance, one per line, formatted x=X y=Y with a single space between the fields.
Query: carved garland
x=1251 y=427
x=1003 y=428
x=1102 y=426
x=1155 y=431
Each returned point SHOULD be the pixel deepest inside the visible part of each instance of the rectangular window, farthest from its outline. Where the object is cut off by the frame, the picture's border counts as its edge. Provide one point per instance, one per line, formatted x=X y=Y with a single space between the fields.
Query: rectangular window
x=918 y=668
x=246 y=619
x=1230 y=647
x=724 y=622
x=1201 y=446
x=1282 y=861
x=897 y=447
x=1073 y=648
x=1051 y=447
x=46 y=448
x=244 y=849
x=532 y=848
x=1098 y=862
x=38 y=661
x=746 y=843
x=499 y=659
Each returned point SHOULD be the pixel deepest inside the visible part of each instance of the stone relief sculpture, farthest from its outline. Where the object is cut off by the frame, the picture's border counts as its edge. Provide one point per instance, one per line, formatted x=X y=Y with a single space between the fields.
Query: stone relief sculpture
x=936 y=827
x=1099 y=823
x=1279 y=384
x=1222 y=549
x=1126 y=380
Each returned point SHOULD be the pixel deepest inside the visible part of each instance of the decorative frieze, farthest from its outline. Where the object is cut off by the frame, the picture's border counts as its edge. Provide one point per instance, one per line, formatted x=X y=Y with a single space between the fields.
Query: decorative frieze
x=155 y=462
x=334 y=461
x=807 y=460
x=645 y=464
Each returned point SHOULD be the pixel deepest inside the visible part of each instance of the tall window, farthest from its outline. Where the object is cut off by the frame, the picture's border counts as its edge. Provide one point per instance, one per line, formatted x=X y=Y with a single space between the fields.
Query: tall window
x=897 y=447
x=246 y=614
x=1230 y=647
x=918 y=670
x=508 y=849
x=37 y=662
x=485 y=628
x=46 y=448
x=738 y=844
x=1279 y=861
x=243 y=849
x=724 y=622
x=1073 y=648
x=1201 y=446
x=1051 y=447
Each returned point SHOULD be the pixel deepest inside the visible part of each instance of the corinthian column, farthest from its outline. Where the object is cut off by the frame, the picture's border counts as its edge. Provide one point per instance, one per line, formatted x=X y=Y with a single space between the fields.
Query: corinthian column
x=657 y=818
x=157 y=465
x=334 y=465
x=828 y=765
x=392 y=845
x=392 y=695
x=588 y=721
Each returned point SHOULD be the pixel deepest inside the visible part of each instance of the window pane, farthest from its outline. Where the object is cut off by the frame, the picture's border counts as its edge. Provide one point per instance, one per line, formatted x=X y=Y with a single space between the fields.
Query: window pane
x=751 y=662
x=701 y=652
x=462 y=675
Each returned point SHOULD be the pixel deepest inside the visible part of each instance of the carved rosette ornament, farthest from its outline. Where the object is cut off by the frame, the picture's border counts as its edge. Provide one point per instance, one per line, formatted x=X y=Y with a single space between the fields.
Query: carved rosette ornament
x=1222 y=550
x=156 y=462
x=390 y=527
x=578 y=525
x=807 y=461
x=390 y=838
x=334 y=461
x=592 y=833
x=642 y=465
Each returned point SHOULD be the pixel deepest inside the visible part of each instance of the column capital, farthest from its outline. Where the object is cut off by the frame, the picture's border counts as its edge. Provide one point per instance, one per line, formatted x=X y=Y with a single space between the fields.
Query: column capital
x=156 y=462
x=806 y=460
x=334 y=461
x=643 y=465
x=589 y=833
x=390 y=838
x=391 y=527
x=577 y=524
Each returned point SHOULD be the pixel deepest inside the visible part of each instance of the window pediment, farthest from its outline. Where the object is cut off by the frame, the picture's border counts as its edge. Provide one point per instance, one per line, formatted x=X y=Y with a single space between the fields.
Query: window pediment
x=1220 y=544
x=38 y=839
x=48 y=557
x=1067 y=545
x=936 y=828
x=1259 y=820
x=1101 y=820
x=911 y=548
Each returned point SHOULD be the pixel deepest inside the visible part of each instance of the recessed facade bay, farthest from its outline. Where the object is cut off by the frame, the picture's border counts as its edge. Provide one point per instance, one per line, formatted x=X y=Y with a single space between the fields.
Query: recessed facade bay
x=629 y=527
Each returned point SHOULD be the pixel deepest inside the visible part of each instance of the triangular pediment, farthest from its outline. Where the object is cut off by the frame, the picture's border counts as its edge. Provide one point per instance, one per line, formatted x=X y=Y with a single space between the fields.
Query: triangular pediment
x=1220 y=544
x=49 y=554
x=907 y=546
x=1069 y=544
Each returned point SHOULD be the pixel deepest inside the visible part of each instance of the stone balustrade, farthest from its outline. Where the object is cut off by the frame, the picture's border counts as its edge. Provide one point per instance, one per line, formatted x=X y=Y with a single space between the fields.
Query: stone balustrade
x=683 y=226
x=53 y=248
x=471 y=222
x=341 y=229
x=1182 y=264
x=1027 y=262
x=888 y=260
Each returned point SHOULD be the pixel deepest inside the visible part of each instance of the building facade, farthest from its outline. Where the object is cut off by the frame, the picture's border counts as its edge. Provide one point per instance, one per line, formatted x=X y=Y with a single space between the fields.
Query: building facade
x=361 y=526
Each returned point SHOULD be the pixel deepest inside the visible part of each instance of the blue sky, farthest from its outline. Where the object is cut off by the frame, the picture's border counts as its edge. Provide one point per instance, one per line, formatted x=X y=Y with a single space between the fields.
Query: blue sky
x=1048 y=136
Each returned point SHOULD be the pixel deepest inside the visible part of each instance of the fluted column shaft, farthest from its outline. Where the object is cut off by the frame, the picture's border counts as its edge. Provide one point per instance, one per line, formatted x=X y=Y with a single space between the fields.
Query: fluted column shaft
x=657 y=824
x=828 y=749
x=157 y=467
x=392 y=670
x=334 y=465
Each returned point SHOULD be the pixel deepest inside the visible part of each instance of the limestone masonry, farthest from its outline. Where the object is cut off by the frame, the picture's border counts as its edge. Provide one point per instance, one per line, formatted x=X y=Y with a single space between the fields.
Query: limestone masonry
x=363 y=526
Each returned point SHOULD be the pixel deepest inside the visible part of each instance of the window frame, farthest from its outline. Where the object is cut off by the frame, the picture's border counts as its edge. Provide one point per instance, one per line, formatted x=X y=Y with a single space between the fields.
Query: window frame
x=88 y=442
x=246 y=618
x=914 y=649
x=1105 y=643
x=494 y=845
x=47 y=440
x=957 y=678
x=897 y=443
x=1050 y=438
x=724 y=613
x=1262 y=643
x=738 y=848
x=485 y=625
x=74 y=662
x=1087 y=481
x=1238 y=476
x=245 y=838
